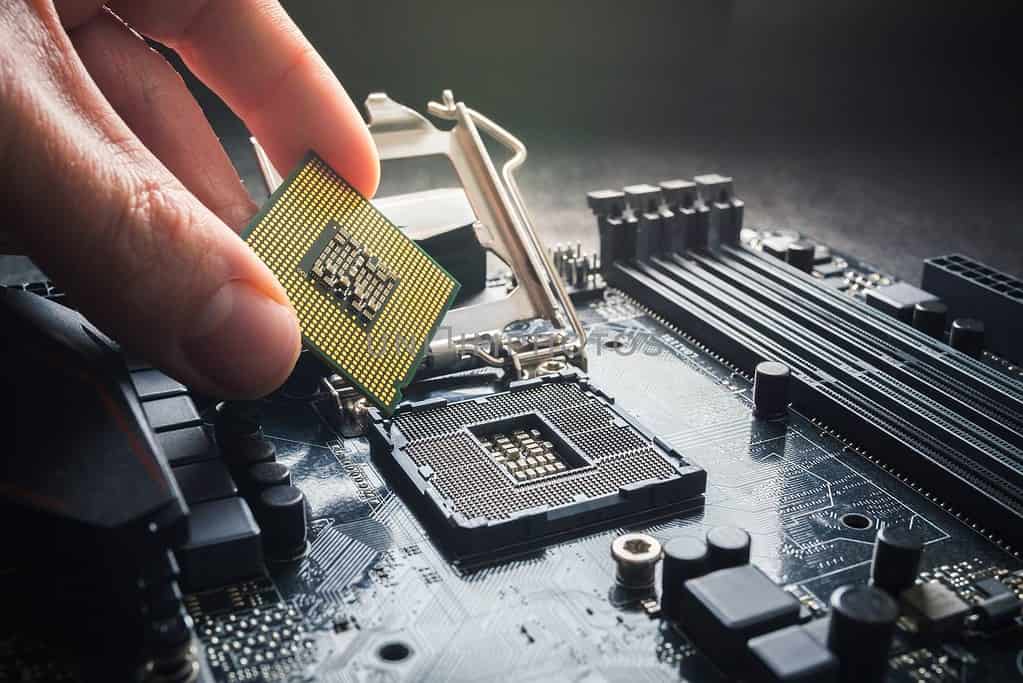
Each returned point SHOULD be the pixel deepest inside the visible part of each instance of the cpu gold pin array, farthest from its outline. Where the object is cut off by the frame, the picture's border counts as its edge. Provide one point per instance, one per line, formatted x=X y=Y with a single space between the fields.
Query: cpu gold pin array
x=374 y=330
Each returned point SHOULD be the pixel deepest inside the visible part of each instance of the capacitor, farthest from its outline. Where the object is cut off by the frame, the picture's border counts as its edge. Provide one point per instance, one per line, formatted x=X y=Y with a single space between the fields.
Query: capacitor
x=263 y=475
x=860 y=632
x=244 y=453
x=771 y=390
x=930 y=317
x=281 y=515
x=636 y=556
x=235 y=423
x=896 y=561
x=727 y=546
x=967 y=335
x=800 y=255
x=685 y=558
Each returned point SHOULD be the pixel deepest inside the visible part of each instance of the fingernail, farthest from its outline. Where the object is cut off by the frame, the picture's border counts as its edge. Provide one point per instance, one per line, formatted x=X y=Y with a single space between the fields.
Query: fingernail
x=243 y=343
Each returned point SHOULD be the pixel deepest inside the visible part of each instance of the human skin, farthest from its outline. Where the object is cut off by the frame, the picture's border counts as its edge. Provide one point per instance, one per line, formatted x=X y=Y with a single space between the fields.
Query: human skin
x=115 y=184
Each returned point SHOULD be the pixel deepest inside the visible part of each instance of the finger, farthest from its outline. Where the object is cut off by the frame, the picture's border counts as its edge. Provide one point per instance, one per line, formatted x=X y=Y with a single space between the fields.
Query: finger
x=256 y=59
x=74 y=13
x=143 y=257
x=155 y=103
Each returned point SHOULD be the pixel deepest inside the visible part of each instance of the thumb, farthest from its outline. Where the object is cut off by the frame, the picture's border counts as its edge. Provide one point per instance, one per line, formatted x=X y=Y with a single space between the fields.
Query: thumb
x=142 y=257
x=154 y=268
x=165 y=277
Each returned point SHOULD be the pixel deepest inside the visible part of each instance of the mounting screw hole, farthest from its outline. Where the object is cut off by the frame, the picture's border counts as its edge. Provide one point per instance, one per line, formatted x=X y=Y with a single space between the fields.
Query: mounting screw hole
x=614 y=344
x=395 y=651
x=854 y=520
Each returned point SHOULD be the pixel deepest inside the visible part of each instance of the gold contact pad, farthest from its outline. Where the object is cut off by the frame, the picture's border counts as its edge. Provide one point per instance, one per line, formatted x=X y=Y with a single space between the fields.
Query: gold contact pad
x=379 y=360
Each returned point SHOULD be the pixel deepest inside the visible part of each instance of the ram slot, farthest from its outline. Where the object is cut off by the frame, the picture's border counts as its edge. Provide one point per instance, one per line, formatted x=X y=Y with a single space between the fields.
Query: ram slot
x=903 y=437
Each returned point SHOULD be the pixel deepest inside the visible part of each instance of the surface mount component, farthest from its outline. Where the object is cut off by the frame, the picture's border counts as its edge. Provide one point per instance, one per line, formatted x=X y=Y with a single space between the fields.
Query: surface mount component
x=367 y=298
x=342 y=267
x=935 y=607
x=549 y=455
x=792 y=655
x=898 y=299
x=800 y=255
x=724 y=609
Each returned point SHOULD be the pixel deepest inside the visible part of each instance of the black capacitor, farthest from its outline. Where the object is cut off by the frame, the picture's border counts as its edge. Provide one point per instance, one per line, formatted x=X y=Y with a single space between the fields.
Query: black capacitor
x=236 y=422
x=800 y=255
x=263 y=475
x=281 y=514
x=998 y=611
x=727 y=546
x=930 y=318
x=684 y=558
x=967 y=335
x=896 y=562
x=771 y=390
x=860 y=632
x=245 y=453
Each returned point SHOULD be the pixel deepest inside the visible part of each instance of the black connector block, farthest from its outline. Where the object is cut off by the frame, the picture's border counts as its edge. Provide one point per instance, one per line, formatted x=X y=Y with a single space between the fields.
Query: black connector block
x=609 y=208
x=972 y=290
x=689 y=223
x=647 y=217
x=486 y=474
x=726 y=211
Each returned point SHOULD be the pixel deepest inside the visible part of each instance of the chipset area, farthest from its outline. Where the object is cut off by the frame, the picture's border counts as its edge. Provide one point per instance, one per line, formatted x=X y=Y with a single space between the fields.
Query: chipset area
x=548 y=456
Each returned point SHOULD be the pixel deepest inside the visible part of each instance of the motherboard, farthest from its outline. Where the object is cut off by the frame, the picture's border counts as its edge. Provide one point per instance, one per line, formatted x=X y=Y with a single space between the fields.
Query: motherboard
x=727 y=453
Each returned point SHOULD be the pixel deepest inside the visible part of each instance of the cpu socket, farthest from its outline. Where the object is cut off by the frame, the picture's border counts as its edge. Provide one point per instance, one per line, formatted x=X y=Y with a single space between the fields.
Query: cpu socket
x=550 y=456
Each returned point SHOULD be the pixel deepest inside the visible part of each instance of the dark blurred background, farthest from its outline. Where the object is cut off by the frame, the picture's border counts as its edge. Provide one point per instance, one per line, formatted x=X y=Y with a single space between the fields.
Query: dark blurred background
x=888 y=129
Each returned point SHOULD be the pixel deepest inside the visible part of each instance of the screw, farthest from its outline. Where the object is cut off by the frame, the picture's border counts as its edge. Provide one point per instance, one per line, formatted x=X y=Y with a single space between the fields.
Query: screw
x=636 y=556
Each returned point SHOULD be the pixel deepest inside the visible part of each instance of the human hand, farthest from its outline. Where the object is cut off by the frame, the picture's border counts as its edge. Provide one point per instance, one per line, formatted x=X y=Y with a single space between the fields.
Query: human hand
x=115 y=184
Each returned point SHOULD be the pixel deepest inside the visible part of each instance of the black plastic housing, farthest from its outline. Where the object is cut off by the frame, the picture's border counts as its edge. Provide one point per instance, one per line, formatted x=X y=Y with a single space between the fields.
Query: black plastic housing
x=466 y=535
x=972 y=290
